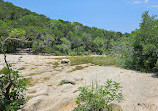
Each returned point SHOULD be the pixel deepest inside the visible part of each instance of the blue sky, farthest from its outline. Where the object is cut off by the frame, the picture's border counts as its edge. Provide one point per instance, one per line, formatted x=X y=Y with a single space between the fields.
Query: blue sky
x=116 y=15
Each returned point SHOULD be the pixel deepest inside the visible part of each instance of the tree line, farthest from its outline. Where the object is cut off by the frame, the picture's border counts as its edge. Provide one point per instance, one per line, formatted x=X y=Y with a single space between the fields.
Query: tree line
x=57 y=37
x=138 y=49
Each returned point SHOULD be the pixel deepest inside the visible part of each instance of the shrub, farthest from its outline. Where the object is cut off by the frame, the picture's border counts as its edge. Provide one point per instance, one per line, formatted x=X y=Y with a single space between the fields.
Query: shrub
x=98 y=98
x=11 y=90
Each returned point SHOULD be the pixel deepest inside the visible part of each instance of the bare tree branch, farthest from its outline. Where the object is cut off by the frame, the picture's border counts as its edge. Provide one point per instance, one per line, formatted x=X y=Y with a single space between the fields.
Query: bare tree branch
x=2 y=50
x=22 y=40
x=7 y=65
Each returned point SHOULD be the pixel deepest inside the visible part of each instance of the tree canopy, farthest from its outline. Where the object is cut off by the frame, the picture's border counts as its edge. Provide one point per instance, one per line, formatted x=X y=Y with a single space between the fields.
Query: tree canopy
x=57 y=37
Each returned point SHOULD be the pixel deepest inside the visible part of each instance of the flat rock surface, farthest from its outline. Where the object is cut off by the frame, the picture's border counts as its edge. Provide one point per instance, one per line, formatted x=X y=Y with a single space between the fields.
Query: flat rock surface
x=47 y=94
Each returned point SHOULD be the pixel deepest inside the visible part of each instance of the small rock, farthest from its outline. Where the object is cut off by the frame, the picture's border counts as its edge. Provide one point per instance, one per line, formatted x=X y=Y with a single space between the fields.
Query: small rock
x=67 y=82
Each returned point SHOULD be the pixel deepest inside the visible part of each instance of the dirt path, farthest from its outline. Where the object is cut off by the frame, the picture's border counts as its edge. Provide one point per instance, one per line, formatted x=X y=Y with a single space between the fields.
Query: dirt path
x=46 y=93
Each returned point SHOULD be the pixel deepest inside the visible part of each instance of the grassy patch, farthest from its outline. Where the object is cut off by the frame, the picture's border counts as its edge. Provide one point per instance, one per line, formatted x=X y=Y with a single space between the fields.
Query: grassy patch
x=55 y=65
x=96 y=60
x=26 y=65
x=22 y=68
x=34 y=68
x=37 y=72
x=32 y=91
x=77 y=68
x=28 y=98
x=46 y=79
x=14 y=63
x=33 y=74
x=50 y=85
x=39 y=65
x=20 y=58
x=31 y=81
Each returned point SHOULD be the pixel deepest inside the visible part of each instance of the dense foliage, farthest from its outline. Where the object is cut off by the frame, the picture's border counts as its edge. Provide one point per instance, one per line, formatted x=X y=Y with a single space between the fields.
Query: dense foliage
x=143 y=54
x=98 y=98
x=54 y=36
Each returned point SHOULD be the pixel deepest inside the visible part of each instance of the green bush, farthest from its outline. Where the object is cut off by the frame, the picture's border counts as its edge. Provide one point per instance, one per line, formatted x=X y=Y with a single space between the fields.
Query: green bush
x=98 y=98
x=87 y=52
x=156 y=67
x=11 y=90
x=57 y=53
x=72 y=53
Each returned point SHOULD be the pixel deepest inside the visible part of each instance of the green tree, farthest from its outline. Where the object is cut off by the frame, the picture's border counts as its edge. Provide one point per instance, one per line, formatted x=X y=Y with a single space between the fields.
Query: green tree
x=12 y=43
x=98 y=45
x=144 y=55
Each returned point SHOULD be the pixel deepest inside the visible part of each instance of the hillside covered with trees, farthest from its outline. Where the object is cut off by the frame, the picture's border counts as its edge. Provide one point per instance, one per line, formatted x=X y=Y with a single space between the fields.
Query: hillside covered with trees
x=139 y=48
x=54 y=36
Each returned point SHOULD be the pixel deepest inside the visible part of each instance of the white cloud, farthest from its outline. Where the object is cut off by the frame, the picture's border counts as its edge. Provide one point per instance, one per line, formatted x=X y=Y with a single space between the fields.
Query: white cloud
x=137 y=2
x=154 y=6
x=146 y=1
x=141 y=2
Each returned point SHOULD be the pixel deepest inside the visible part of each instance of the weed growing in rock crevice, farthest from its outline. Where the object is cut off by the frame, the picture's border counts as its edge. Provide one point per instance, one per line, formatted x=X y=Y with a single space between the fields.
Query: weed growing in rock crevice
x=98 y=98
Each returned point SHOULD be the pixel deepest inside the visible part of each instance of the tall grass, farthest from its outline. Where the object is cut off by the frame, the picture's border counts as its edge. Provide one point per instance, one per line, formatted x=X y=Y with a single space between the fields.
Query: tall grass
x=96 y=60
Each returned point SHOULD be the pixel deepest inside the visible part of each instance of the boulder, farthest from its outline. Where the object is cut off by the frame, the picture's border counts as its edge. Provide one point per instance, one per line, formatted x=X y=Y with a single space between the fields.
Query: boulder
x=65 y=61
